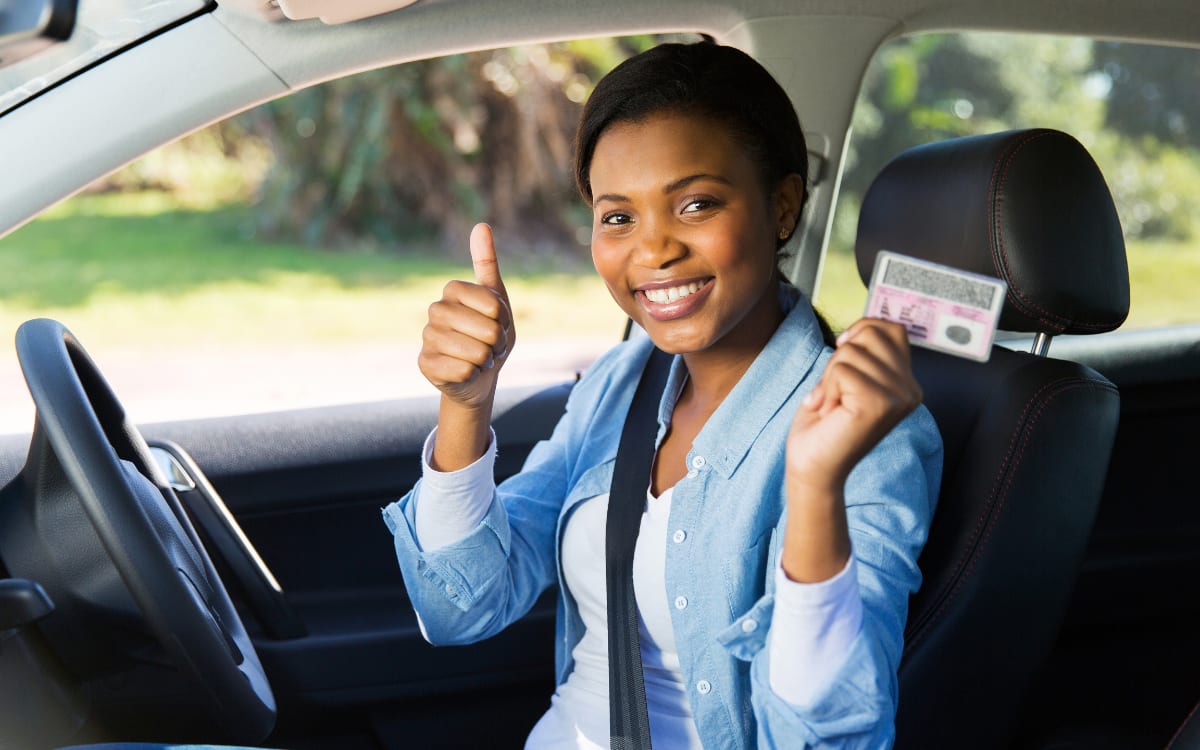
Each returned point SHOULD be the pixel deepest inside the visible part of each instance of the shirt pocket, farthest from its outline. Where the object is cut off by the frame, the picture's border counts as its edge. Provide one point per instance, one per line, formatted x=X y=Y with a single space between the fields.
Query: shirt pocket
x=745 y=574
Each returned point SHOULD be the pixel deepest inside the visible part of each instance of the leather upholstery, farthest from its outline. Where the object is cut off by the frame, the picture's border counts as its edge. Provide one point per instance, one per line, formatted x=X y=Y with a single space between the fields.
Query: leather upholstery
x=1026 y=206
x=1027 y=448
x=1027 y=438
x=1188 y=736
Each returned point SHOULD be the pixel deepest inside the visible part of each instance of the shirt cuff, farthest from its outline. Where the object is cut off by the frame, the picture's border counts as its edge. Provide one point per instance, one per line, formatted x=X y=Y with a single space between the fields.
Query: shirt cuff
x=812 y=630
x=452 y=503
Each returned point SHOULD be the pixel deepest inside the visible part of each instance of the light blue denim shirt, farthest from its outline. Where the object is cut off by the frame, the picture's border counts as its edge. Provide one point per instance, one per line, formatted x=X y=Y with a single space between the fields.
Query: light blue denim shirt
x=730 y=510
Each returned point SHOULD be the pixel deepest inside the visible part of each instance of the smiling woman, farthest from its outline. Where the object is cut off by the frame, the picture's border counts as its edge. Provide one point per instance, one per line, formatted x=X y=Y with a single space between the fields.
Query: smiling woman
x=222 y=307
x=692 y=159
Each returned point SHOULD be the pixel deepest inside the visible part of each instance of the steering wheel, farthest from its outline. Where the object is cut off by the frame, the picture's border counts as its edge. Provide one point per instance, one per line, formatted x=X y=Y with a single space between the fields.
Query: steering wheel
x=142 y=621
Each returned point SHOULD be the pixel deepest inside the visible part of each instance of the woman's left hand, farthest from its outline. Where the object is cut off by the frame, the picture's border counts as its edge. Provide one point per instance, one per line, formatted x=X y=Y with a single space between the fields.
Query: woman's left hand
x=866 y=389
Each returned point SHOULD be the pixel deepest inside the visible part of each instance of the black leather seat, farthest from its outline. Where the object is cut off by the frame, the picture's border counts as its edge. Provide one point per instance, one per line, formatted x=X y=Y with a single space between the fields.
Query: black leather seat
x=1027 y=437
x=1188 y=736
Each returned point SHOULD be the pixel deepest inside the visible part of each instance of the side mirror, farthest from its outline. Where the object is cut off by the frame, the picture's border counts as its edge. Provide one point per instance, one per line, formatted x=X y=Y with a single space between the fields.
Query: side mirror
x=29 y=26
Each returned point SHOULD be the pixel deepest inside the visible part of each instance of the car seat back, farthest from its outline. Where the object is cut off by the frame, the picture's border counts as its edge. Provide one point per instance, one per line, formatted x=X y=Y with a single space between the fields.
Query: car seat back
x=1027 y=437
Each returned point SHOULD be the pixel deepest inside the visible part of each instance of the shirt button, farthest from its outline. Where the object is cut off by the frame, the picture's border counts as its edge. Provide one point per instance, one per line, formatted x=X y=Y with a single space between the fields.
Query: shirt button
x=749 y=625
x=693 y=474
x=703 y=687
x=679 y=536
x=451 y=590
x=680 y=602
x=698 y=462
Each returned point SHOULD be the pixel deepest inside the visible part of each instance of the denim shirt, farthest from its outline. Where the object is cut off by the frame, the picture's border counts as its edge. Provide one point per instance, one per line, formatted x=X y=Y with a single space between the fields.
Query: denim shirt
x=726 y=521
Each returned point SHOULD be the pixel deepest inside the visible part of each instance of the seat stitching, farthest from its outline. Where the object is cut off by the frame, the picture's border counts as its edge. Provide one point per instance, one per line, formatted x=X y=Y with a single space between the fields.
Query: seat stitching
x=966 y=563
x=1020 y=301
x=1179 y=731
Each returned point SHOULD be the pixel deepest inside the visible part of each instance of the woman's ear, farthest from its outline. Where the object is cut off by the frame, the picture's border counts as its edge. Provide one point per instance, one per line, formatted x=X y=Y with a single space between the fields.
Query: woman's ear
x=789 y=201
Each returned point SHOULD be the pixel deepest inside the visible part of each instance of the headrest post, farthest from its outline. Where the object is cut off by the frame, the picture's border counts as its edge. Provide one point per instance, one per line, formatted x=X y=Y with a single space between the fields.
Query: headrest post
x=1041 y=344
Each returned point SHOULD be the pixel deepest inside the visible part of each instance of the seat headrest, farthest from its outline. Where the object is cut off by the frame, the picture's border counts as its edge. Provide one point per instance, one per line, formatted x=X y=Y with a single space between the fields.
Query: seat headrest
x=1027 y=206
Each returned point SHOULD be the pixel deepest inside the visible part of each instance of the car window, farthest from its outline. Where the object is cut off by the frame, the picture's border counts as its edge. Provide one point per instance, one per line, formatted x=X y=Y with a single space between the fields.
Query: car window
x=1133 y=106
x=99 y=28
x=286 y=257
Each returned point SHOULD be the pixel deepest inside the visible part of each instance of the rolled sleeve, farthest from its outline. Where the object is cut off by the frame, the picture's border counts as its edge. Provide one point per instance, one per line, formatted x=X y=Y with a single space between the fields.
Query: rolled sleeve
x=813 y=629
x=453 y=502
x=890 y=498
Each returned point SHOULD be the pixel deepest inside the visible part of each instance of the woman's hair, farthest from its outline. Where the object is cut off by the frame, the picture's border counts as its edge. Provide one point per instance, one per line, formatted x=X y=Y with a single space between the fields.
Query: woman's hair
x=720 y=83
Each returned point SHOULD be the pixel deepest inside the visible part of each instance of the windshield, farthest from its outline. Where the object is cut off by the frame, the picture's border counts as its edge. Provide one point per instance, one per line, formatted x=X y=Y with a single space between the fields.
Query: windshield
x=101 y=27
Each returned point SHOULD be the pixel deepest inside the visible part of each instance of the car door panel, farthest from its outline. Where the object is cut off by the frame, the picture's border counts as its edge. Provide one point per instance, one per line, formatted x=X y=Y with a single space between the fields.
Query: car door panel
x=307 y=488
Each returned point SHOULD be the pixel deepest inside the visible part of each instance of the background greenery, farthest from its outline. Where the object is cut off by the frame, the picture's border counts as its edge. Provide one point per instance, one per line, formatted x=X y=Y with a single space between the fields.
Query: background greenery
x=401 y=162
x=337 y=213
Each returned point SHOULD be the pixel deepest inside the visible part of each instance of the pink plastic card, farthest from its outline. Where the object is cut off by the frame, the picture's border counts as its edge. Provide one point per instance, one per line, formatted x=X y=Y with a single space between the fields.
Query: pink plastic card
x=943 y=308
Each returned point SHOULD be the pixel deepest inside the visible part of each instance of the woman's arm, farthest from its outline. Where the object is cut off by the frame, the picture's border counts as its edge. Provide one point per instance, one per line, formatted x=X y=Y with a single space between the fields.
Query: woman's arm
x=866 y=389
x=467 y=340
x=855 y=484
x=480 y=582
x=890 y=499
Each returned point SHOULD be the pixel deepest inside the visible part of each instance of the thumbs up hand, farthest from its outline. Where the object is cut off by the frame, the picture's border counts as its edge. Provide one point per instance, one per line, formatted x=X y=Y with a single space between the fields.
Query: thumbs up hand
x=470 y=332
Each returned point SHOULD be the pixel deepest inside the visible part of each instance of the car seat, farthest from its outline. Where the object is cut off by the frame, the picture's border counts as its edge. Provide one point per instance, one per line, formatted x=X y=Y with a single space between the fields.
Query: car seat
x=1027 y=437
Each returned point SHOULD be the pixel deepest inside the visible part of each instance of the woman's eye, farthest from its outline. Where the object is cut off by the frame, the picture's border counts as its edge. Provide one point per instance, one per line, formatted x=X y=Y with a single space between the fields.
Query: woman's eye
x=614 y=219
x=697 y=205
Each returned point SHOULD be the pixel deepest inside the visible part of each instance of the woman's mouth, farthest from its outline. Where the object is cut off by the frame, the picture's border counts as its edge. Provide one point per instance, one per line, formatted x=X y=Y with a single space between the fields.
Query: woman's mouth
x=670 y=302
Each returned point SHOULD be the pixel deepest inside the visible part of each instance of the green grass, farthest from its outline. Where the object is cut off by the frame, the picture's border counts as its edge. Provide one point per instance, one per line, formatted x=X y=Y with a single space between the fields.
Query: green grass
x=134 y=270
x=138 y=270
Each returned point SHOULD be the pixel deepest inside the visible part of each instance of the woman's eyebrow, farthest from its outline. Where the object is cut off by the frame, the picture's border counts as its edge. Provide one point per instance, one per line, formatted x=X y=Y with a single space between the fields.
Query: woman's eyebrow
x=669 y=188
x=685 y=181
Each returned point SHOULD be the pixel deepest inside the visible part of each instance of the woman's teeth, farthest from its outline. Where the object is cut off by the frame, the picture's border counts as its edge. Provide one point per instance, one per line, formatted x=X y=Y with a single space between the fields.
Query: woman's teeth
x=670 y=294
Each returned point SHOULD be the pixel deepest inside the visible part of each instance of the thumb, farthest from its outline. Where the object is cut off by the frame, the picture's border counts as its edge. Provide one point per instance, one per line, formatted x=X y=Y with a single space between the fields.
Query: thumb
x=483 y=258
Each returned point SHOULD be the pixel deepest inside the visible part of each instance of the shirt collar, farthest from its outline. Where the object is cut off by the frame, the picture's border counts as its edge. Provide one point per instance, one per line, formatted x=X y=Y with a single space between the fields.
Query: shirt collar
x=784 y=364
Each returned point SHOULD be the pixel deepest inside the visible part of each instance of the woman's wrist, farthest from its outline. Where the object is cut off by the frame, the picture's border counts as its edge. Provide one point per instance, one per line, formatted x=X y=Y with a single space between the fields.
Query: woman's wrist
x=816 y=542
x=463 y=435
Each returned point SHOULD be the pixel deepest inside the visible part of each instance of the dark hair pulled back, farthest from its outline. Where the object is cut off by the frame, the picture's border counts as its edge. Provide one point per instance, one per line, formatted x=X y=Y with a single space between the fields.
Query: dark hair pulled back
x=709 y=80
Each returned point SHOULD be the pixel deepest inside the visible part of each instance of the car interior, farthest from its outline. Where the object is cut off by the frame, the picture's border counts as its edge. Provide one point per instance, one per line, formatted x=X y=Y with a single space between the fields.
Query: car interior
x=228 y=579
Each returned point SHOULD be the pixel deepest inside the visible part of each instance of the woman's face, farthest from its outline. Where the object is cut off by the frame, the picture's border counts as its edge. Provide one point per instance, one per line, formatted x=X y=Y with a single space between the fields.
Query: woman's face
x=684 y=234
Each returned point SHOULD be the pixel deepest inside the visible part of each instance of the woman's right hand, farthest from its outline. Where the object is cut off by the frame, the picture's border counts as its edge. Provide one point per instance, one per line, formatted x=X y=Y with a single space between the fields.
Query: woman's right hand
x=470 y=332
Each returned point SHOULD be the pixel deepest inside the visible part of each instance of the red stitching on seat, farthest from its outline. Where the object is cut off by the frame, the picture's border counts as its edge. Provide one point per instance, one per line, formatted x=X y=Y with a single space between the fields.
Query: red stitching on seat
x=987 y=521
x=1020 y=301
x=1179 y=731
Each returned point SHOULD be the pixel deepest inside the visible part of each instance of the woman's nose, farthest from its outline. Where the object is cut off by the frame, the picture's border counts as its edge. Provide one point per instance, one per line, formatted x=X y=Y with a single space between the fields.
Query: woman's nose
x=658 y=246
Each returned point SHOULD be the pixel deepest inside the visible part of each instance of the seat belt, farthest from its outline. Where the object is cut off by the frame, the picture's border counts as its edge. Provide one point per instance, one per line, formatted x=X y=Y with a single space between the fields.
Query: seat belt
x=628 y=721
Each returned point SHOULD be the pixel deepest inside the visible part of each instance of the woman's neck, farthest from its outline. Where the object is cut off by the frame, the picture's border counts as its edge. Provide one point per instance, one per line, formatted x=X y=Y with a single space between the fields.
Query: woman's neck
x=713 y=372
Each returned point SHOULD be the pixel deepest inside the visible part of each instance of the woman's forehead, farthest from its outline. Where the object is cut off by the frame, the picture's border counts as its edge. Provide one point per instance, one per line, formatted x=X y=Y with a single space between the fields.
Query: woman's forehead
x=654 y=152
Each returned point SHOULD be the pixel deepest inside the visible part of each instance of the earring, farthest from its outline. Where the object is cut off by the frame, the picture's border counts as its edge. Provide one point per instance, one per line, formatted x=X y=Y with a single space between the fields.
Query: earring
x=783 y=233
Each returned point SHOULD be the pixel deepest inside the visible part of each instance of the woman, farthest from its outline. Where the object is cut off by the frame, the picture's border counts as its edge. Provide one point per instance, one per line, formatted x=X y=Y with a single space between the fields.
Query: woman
x=793 y=483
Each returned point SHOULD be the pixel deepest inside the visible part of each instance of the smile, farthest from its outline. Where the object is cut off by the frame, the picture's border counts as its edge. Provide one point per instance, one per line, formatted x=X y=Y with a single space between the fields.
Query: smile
x=670 y=302
x=671 y=294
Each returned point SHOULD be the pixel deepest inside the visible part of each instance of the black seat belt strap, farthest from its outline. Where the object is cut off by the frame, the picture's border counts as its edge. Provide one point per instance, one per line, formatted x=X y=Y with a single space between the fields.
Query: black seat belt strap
x=629 y=723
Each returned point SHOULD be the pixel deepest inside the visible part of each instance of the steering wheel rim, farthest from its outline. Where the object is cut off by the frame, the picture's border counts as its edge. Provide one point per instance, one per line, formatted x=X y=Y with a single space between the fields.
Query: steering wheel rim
x=146 y=535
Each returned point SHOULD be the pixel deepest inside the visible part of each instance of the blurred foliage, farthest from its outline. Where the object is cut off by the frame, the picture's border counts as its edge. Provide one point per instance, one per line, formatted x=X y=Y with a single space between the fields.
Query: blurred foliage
x=403 y=157
x=424 y=150
x=1152 y=91
x=212 y=167
x=1133 y=106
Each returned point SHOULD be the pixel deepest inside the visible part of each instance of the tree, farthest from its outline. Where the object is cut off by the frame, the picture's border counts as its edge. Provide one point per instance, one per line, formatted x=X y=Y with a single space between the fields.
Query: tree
x=424 y=150
x=1153 y=91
